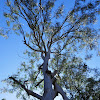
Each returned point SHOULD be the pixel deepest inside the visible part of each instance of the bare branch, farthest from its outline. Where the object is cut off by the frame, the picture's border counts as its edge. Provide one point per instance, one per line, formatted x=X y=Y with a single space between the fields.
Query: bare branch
x=43 y=44
x=64 y=35
x=39 y=83
x=60 y=28
x=52 y=75
x=29 y=92
x=37 y=41
x=42 y=56
x=22 y=13
x=32 y=48
x=55 y=93
x=60 y=90
x=41 y=11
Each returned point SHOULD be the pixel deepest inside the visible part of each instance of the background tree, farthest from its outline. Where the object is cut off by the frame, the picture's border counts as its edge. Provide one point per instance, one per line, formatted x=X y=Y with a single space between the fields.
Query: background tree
x=54 y=37
x=3 y=99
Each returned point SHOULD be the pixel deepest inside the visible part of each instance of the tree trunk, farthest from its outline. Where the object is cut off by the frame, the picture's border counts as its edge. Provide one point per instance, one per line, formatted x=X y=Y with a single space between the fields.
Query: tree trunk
x=47 y=80
x=47 y=88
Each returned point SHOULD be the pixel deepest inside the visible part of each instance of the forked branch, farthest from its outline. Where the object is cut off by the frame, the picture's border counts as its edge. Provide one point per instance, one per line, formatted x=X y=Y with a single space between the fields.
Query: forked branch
x=29 y=92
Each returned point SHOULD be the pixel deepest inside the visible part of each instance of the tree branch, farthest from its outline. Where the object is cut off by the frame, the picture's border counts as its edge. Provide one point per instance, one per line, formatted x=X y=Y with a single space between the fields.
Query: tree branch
x=60 y=27
x=81 y=18
x=39 y=83
x=60 y=90
x=29 y=92
x=37 y=41
x=32 y=48
x=63 y=35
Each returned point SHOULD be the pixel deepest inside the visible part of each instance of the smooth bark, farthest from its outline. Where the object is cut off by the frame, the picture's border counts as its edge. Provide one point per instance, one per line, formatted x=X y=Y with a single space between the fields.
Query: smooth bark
x=47 y=80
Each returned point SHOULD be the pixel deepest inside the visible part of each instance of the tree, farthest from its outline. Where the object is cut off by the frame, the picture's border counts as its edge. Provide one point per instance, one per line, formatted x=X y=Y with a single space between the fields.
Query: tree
x=54 y=37
x=3 y=99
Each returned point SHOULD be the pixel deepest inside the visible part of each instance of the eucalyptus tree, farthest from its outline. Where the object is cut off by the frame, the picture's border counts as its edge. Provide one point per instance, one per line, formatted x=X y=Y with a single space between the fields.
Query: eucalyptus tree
x=53 y=36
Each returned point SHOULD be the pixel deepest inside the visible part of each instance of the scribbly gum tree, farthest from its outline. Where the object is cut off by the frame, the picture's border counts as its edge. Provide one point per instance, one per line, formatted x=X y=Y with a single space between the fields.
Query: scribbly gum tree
x=53 y=36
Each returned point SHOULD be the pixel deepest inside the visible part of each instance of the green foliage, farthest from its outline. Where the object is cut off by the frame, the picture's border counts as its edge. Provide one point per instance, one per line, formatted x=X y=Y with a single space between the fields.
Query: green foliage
x=59 y=12
x=2 y=33
x=8 y=23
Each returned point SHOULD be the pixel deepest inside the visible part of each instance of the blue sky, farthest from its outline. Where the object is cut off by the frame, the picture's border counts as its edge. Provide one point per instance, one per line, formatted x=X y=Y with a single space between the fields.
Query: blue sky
x=11 y=48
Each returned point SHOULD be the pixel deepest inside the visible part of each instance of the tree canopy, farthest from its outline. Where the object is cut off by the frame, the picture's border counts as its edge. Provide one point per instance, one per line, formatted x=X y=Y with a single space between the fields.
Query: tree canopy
x=54 y=36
